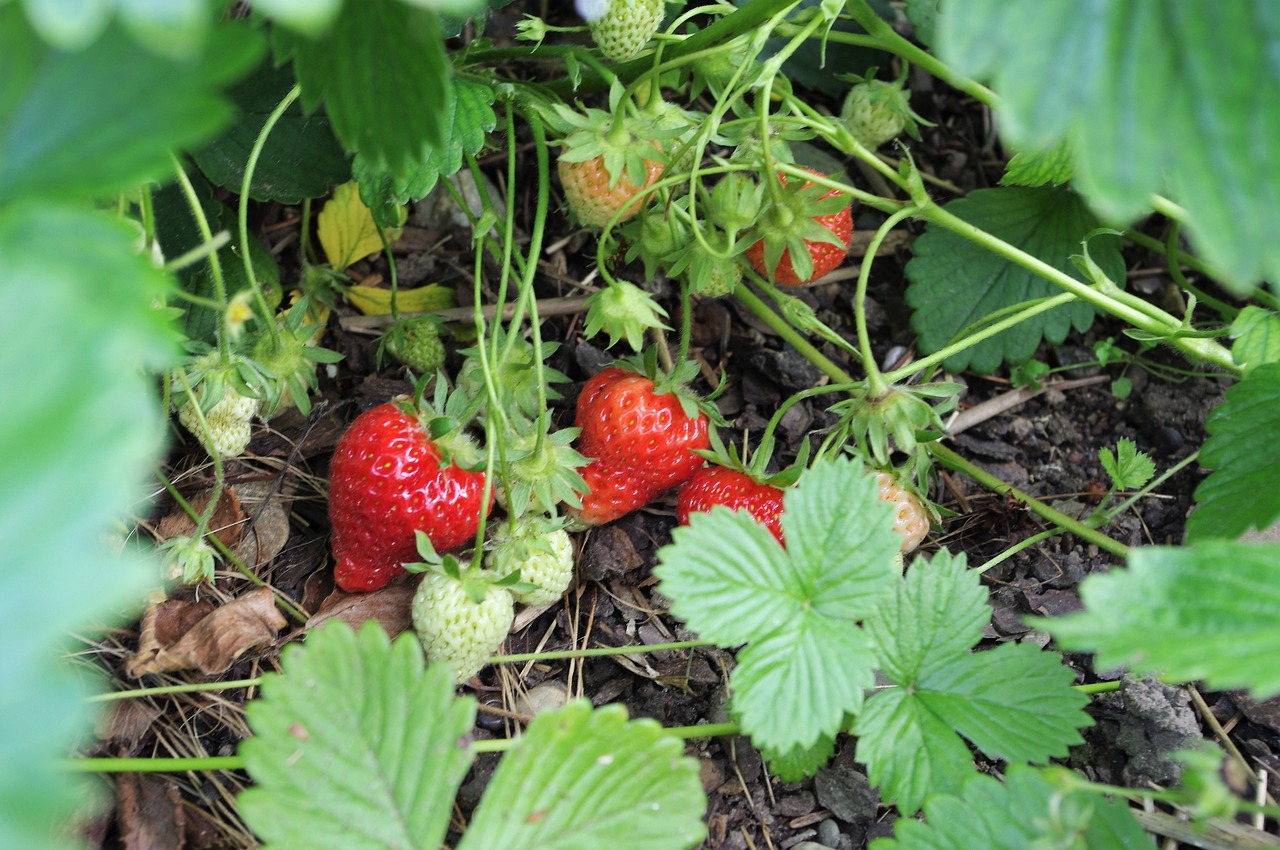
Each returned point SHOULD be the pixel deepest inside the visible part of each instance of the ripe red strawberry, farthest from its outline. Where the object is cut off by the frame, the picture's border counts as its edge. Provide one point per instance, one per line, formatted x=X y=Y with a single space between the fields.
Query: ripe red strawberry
x=594 y=196
x=804 y=234
x=626 y=27
x=387 y=481
x=736 y=490
x=642 y=433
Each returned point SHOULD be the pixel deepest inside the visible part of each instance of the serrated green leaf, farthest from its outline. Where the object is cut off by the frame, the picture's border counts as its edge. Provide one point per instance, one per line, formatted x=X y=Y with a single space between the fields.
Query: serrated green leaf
x=1014 y=703
x=104 y=118
x=301 y=158
x=581 y=778
x=1038 y=168
x=797 y=763
x=1143 y=73
x=1205 y=612
x=955 y=283
x=1026 y=811
x=1244 y=454
x=728 y=578
x=1127 y=467
x=89 y=425
x=795 y=685
x=1257 y=338
x=381 y=72
x=807 y=660
x=356 y=745
x=468 y=118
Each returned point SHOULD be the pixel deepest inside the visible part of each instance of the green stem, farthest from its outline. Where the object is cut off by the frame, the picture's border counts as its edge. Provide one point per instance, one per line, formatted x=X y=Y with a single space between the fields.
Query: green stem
x=1118 y=303
x=200 y=252
x=156 y=765
x=189 y=688
x=955 y=462
x=1024 y=544
x=780 y=326
x=215 y=263
x=1156 y=482
x=892 y=42
x=876 y=384
x=242 y=212
x=598 y=651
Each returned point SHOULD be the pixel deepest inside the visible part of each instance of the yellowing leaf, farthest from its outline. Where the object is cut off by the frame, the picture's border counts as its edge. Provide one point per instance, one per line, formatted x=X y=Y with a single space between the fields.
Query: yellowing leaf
x=376 y=300
x=347 y=230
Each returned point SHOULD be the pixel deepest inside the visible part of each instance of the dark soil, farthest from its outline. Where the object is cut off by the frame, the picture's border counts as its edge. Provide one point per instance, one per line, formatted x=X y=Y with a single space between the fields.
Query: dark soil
x=1047 y=446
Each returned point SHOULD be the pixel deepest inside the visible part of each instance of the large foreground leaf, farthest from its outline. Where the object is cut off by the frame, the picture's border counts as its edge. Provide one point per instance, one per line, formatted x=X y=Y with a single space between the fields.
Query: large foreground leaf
x=357 y=745
x=1177 y=98
x=955 y=282
x=1241 y=493
x=82 y=426
x=583 y=779
x=100 y=119
x=1207 y=612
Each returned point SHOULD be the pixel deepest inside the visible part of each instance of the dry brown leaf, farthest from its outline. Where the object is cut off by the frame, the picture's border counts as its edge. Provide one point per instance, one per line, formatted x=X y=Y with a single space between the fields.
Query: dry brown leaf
x=125 y=724
x=149 y=812
x=226 y=523
x=388 y=605
x=270 y=529
x=213 y=644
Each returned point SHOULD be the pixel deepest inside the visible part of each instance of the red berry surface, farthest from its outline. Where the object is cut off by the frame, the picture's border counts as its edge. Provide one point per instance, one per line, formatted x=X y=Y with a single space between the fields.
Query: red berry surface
x=825 y=255
x=719 y=485
x=385 y=484
x=642 y=442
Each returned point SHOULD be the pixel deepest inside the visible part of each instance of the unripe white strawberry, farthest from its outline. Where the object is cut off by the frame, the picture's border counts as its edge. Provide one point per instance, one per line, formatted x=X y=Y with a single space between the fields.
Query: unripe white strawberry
x=455 y=629
x=909 y=516
x=228 y=420
x=876 y=111
x=622 y=32
x=544 y=556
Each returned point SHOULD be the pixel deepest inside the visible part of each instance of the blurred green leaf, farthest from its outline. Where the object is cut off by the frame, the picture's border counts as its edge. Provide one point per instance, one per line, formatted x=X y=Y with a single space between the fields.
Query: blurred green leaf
x=582 y=778
x=69 y=24
x=1244 y=454
x=83 y=425
x=1207 y=612
x=954 y=283
x=1181 y=99
x=309 y=17
x=381 y=72
x=301 y=158
x=105 y=118
x=356 y=745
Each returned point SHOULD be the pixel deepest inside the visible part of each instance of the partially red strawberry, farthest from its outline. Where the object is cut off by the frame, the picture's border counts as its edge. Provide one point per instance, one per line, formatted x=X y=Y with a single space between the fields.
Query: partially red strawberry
x=736 y=490
x=642 y=429
x=804 y=233
x=389 y=479
x=595 y=196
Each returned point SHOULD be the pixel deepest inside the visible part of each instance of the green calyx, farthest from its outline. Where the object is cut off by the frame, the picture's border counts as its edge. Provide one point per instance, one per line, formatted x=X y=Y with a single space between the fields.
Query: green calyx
x=288 y=360
x=677 y=383
x=623 y=311
x=625 y=141
x=543 y=469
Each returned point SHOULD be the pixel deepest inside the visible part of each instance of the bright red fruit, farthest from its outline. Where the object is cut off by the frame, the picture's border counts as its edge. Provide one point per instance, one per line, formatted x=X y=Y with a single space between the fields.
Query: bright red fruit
x=386 y=482
x=642 y=441
x=825 y=256
x=736 y=490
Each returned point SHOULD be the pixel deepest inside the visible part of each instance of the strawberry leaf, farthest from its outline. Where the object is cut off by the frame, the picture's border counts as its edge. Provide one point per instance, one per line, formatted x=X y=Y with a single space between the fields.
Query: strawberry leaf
x=1127 y=467
x=1038 y=168
x=381 y=72
x=1257 y=338
x=467 y=116
x=807 y=661
x=1242 y=451
x=356 y=745
x=1013 y=703
x=95 y=121
x=956 y=283
x=1205 y=612
x=1026 y=810
x=580 y=778
x=1144 y=73
x=85 y=415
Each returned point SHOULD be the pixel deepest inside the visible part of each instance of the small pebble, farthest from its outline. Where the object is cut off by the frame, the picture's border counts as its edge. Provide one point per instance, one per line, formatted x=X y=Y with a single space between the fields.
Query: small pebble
x=829 y=832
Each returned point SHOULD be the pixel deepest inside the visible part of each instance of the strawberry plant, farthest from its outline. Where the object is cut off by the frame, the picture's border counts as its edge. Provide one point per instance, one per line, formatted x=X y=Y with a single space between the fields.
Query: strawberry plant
x=833 y=230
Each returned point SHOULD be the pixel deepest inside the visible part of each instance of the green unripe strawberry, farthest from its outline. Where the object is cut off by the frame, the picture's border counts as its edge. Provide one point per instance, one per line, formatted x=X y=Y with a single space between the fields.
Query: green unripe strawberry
x=228 y=420
x=876 y=111
x=722 y=277
x=416 y=343
x=456 y=629
x=542 y=552
x=622 y=32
